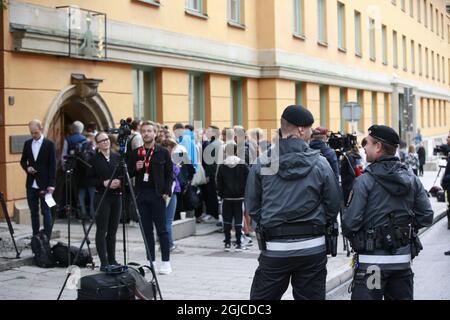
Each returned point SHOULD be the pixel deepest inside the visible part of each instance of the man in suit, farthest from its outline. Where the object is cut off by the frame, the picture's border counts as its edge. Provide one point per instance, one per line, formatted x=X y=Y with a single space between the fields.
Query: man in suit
x=39 y=162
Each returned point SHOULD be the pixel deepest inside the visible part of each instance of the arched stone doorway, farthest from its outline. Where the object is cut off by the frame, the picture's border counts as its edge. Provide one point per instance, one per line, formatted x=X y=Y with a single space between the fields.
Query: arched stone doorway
x=70 y=106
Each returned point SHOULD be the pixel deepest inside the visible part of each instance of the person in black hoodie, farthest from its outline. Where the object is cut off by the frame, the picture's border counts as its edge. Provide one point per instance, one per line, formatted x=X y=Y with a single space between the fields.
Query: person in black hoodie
x=231 y=181
x=108 y=215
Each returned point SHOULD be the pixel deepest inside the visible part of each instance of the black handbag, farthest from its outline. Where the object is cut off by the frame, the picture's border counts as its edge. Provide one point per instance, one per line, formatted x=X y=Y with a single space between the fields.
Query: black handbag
x=104 y=286
x=191 y=197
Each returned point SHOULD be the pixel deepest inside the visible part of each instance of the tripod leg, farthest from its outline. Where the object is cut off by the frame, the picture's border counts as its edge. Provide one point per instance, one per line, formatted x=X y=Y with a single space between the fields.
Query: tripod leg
x=88 y=242
x=89 y=229
x=133 y=199
x=8 y=222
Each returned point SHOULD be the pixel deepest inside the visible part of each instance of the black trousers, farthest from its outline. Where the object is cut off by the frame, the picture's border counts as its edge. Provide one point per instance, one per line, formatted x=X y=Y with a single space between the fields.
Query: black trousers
x=232 y=209
x=394 y=285
x=107 y=222
x=307 y=275
x=212 y=204
x=152 y=209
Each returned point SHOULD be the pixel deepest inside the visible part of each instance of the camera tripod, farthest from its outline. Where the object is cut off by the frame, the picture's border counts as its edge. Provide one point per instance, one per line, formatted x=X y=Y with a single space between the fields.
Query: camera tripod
x=8 y=222
x=121 y=167
x=439 y=172
x=69 y=167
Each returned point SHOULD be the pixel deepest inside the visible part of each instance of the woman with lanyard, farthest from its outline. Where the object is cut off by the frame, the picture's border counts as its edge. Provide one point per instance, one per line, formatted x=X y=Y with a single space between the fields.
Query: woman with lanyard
x=108 y=215
x=152 y=167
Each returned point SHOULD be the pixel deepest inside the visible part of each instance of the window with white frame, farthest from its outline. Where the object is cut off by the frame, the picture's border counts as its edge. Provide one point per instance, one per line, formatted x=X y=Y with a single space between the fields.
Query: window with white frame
x=234 y=11
x=195 y=5
x=358 y=51
x=420 y=59
x=405 y=66
x=384 y=44
x=372 y=39
x=341 y=25
x=298 y=17
x=321 y=21
x=395 y=48
x=427 y=68
x=413 y=57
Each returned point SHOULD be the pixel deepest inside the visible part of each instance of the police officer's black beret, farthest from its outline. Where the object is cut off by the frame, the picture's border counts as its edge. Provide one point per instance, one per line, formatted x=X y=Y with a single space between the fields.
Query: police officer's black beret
x=385 y=134
x=298 y=116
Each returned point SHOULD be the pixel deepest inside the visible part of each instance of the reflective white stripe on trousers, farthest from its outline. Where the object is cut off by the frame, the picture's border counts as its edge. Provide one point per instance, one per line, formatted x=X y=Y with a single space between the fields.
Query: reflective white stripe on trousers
x=406 y=258
x=298 y=245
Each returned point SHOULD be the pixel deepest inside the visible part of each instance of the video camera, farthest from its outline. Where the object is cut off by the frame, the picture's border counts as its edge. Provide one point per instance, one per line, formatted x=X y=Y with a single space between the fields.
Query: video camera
x=442 y=150
x=342 y=142
x=123 y=132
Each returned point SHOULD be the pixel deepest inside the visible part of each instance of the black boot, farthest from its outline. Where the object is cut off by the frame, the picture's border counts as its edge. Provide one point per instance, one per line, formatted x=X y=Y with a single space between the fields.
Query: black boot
x=447 y=253
x=448 y=219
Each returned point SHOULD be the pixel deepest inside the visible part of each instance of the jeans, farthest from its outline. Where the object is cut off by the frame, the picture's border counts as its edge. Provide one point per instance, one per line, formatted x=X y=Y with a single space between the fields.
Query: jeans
x=152 y=208
x=82 y=201
x=170 y=213
x=33 y=199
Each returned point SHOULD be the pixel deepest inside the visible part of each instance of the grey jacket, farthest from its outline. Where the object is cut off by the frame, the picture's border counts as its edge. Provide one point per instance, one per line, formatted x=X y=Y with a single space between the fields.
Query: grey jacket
x=387 y=187
x=304 y=189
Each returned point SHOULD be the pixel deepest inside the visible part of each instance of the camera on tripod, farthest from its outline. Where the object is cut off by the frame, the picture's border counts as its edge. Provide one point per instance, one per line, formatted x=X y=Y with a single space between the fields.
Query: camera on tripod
x=123 y=132
x=441 y=150
x=342 y=142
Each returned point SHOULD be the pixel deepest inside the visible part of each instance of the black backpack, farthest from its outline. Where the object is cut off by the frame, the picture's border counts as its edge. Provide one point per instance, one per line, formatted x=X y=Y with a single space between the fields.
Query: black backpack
x=60 y=255
x=40 y=246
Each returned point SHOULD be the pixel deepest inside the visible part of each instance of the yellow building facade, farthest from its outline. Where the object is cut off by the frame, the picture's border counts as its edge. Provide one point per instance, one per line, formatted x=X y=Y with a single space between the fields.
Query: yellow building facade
x=221 y=62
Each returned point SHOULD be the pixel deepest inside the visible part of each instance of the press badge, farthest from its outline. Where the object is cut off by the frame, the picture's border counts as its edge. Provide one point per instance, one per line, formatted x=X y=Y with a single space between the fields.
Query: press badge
x=145 y=177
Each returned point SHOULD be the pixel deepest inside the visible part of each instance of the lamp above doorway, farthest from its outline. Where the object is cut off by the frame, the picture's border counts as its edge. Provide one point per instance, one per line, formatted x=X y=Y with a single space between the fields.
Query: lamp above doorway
x=85 y=88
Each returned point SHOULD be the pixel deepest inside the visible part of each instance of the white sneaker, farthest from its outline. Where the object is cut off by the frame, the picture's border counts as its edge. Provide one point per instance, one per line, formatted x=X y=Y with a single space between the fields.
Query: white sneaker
x=165 y=268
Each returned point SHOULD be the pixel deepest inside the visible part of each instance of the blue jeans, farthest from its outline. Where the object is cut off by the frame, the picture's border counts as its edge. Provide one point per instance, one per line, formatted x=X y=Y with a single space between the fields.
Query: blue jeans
x=170 y=213
x=82 y=201
x=33 y=199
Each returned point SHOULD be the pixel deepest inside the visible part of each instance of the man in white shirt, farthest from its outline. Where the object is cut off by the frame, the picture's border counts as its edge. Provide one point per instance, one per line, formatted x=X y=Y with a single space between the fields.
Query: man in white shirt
x=39 y=162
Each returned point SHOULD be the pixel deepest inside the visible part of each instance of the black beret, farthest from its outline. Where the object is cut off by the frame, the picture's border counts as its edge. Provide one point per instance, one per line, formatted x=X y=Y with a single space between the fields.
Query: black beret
x=298 y=116
x=385 y=134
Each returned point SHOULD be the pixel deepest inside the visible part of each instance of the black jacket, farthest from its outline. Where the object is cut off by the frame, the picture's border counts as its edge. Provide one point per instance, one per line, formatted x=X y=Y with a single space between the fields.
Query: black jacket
x=102 y=170
x=160 y=169
x=45 y=164
x=232 y=178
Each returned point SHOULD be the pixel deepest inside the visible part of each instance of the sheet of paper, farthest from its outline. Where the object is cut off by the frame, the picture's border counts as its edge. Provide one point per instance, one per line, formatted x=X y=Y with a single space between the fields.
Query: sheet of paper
x=49 y=200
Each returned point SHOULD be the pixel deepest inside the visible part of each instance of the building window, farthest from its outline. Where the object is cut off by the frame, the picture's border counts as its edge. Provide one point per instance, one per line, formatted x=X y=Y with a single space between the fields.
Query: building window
x=360 y=100
x=438 y=60
x=440 y=112
x=236 y=102
x=153 y=2
x=402 y=5
x=432 y=64
x=374 y=108
x=384 y=44
x=322 y=21
x=196 y=98
x=342 y=101
x=425 y=16
x=341 y=26
x=437 y=22
x=235 y=11
x=394 y=48
x=443 y=70
x=358 y=51
x=386 y=109
x=300 y=93
x=420 y=59
x=372 y=39
x=448 y=33
x=442 y=26
x=411 y=8
x=394 y=2
x=405 y=66
x=413 y=57
x=431 y=18
x=427 y=72
x=324 y=106
x=144 y=94
x=419 y=14
x=428 y=102
x=299 y=18
x=196 y=6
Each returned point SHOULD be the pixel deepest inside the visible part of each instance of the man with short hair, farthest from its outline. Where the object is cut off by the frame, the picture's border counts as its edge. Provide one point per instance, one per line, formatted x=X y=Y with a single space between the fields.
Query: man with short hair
x=319 y=140
x=292 y=207
x=39 y=163
x=387 y=207
x=152 y=167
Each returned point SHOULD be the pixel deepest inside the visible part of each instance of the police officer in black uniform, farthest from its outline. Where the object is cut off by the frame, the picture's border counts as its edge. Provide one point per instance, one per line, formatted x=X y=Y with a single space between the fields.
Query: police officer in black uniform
x=292 y=193
x=387 y=207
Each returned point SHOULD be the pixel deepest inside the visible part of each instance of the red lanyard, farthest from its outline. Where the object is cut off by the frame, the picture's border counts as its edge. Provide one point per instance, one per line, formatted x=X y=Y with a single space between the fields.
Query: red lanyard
x=149 y=159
